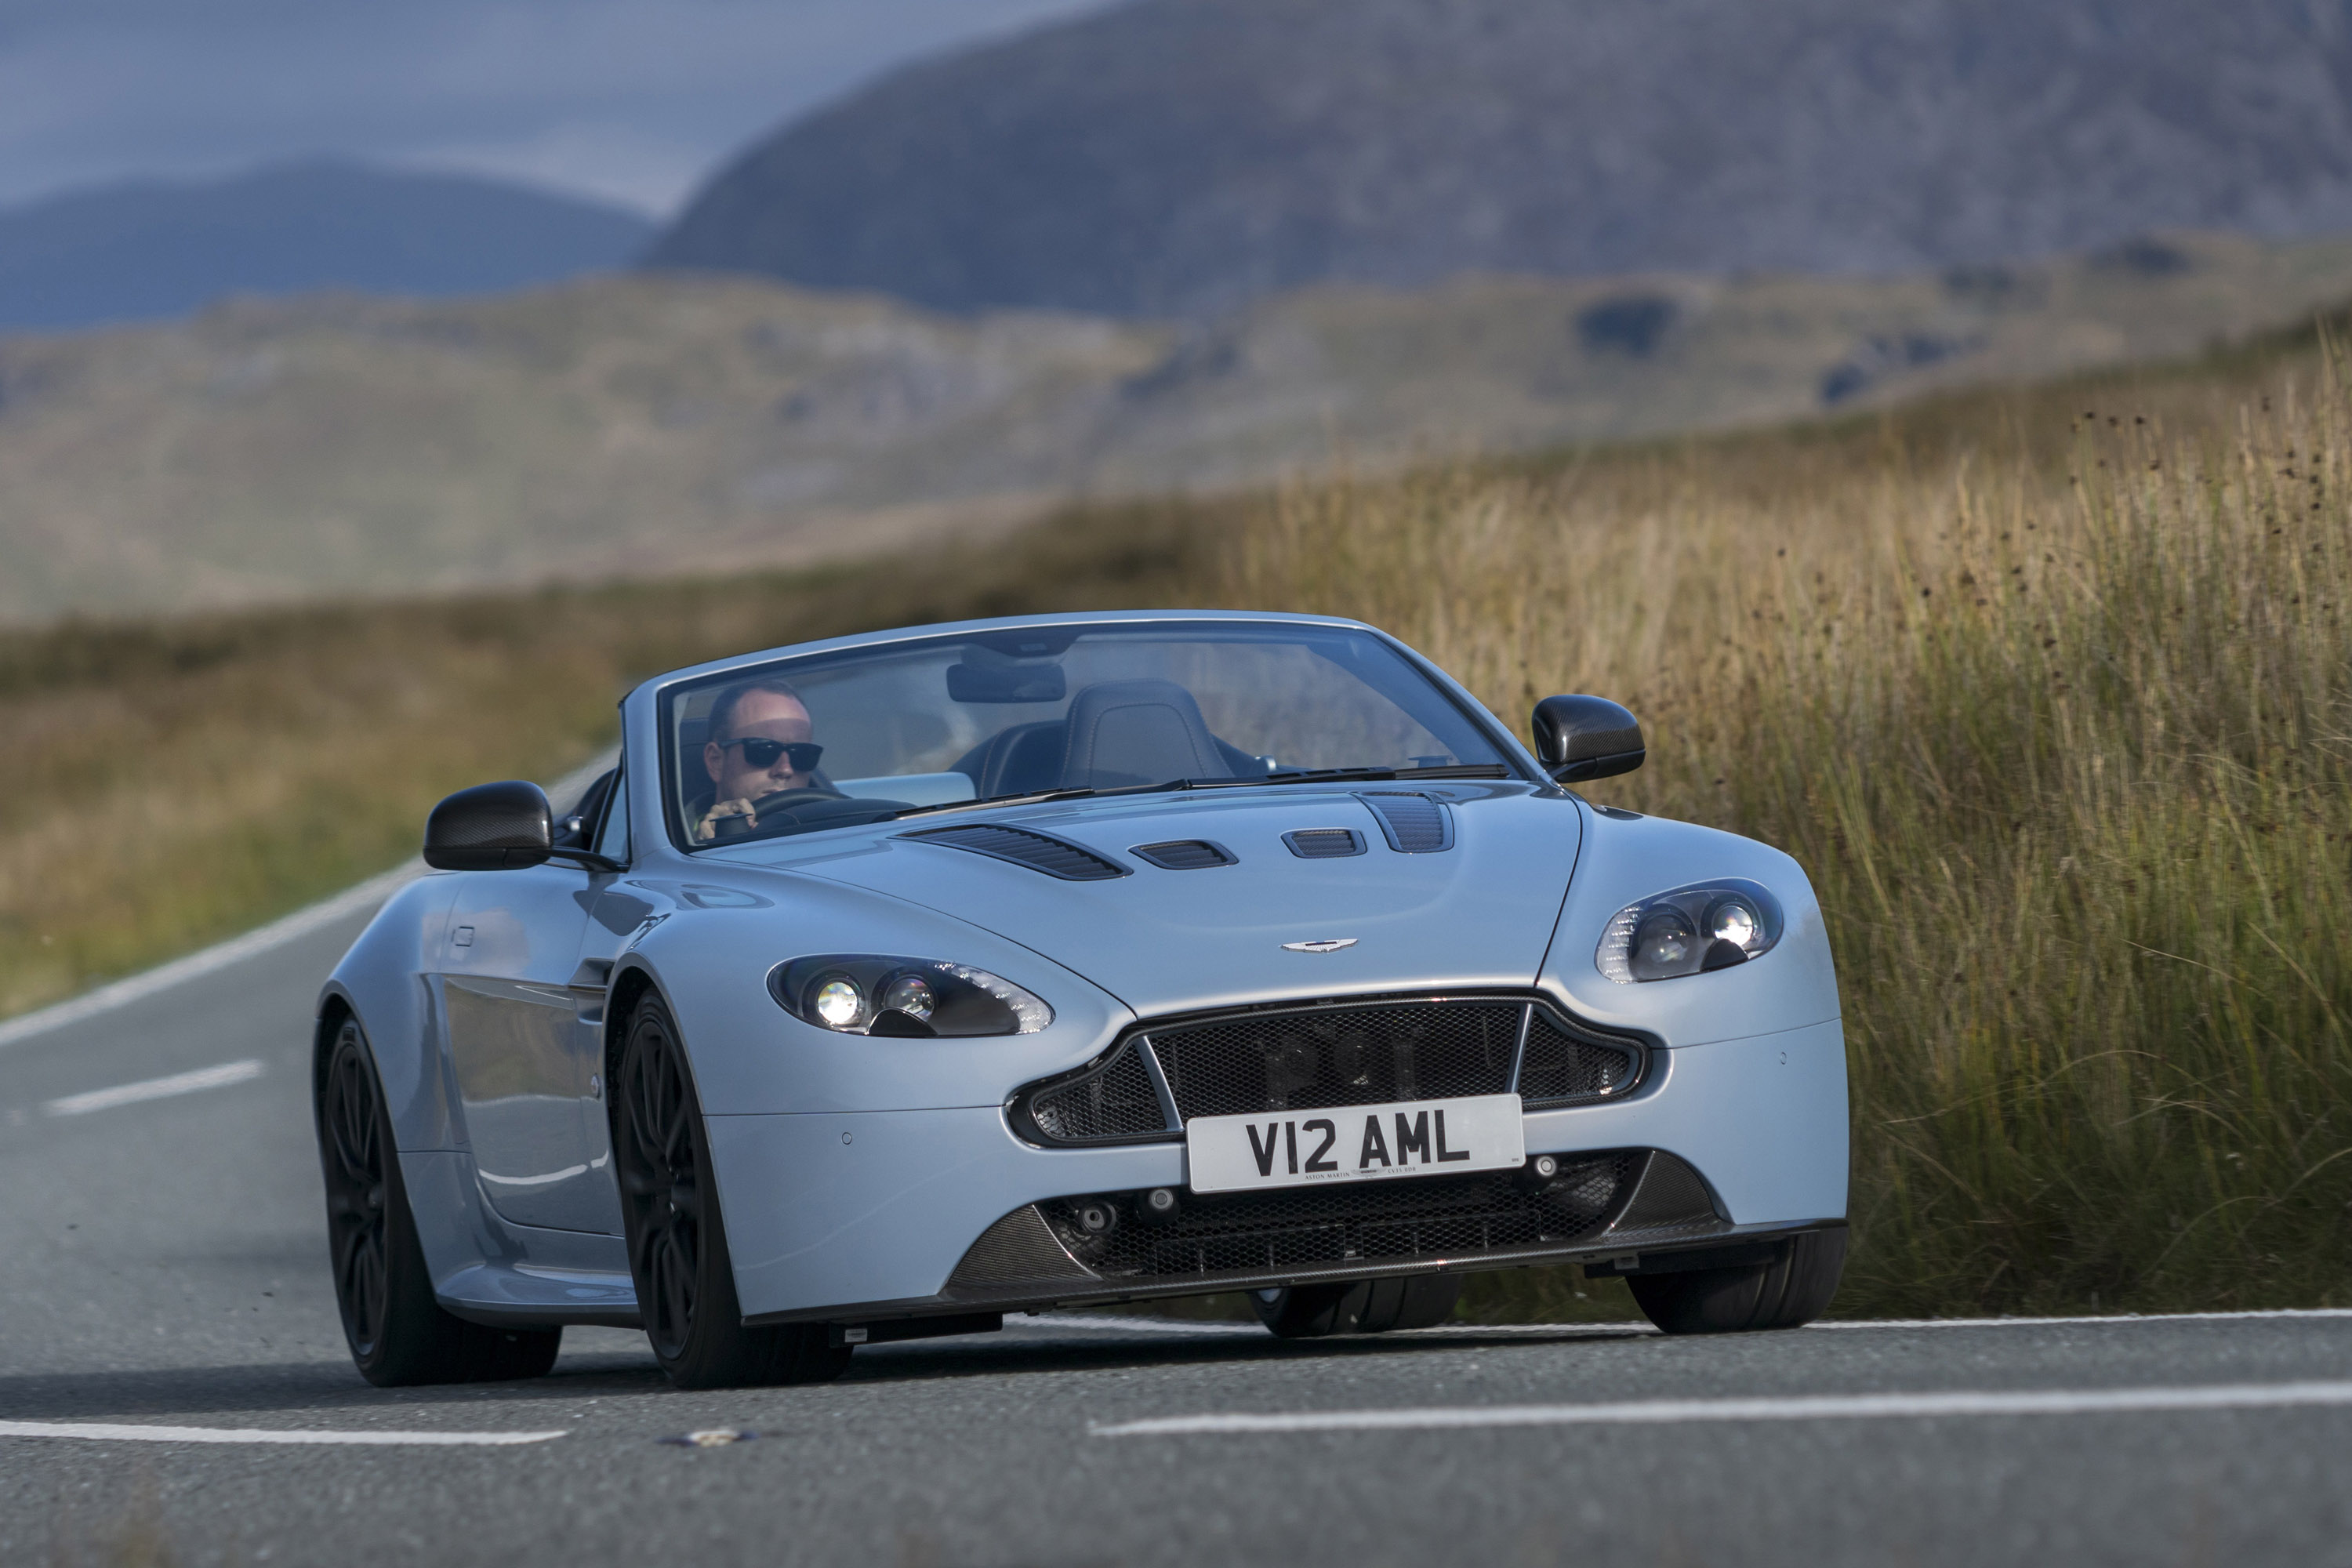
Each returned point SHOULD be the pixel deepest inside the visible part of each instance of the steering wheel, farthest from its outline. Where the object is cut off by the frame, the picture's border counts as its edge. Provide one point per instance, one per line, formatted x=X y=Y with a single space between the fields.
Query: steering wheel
x=788 y=808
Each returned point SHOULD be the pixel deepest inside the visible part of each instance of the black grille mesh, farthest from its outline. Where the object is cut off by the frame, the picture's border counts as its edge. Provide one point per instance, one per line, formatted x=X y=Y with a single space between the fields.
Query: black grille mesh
x=1308 y=1227
x=1184 y=855
x=1039 y=851
x=1339 y=1056
x=1561 y=1067
x=1416 y=824
x=1115 y=1100
x=1324 y=843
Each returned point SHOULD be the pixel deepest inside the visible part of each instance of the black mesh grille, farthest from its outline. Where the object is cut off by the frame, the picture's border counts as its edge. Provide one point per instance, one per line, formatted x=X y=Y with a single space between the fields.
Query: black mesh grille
x=1563 y=1067
x=1184 y=855
x=1307 y=1227
x=1115 y=1100
x=1039 y=851
x=1339 y=1056
x=1415 y=824
x=1324 y=843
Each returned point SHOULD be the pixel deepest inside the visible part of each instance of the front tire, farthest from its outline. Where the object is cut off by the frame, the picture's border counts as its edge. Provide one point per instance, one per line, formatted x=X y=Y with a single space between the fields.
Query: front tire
x=1785 y=1294
x=1365 y=1307
x=678 y=1241
x=397 y=1333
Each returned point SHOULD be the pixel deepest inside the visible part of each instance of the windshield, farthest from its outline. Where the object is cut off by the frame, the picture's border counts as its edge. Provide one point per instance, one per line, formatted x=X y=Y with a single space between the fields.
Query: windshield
x=862 y=734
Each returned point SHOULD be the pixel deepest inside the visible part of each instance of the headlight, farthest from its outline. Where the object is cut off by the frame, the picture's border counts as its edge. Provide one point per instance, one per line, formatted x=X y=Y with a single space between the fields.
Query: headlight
x=1712 y=925
x=868 y=994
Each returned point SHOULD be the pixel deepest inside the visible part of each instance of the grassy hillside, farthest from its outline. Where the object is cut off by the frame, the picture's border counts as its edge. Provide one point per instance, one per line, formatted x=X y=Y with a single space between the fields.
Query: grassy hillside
x=673 y=426
x=2050 y=691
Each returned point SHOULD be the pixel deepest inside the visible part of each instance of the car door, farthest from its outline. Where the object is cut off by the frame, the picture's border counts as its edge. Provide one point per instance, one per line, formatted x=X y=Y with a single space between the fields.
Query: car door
x=524 y=1056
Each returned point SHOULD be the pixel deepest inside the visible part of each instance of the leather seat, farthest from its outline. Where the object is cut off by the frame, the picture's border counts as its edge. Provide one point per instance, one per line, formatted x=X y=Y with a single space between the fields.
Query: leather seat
x=1137 y=732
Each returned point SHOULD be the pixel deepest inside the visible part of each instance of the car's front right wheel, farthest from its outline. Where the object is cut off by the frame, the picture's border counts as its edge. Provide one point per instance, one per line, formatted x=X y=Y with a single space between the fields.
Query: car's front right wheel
x=1784 y=1294
x=678 y=1241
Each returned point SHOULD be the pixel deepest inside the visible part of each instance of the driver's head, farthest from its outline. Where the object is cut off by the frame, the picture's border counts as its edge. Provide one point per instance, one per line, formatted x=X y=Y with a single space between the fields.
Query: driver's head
x=758 y=712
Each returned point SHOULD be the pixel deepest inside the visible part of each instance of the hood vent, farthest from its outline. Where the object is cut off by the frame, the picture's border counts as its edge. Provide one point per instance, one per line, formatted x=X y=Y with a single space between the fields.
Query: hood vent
x=1038 y=851
x=1324 y=843
x=1185 y=855
x=1415 y=824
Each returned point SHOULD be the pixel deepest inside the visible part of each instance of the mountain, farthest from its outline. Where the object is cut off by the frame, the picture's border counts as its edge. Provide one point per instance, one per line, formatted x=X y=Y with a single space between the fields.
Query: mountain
x=1179 y=157
x=664 y=425
x=149 y=250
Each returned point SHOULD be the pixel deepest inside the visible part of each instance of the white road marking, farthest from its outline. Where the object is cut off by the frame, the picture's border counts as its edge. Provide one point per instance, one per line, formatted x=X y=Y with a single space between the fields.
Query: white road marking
x=154 y=1089
x=1804 y=1407
x=111 y=1432
x=366 y=896
x=2106 y=1318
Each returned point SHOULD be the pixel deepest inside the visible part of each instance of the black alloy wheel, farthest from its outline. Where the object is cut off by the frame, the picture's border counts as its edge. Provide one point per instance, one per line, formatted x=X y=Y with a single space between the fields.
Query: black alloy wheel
x=397 y=1333
x=1364 y=1307
x=679 y=1260
x=1785 y=1294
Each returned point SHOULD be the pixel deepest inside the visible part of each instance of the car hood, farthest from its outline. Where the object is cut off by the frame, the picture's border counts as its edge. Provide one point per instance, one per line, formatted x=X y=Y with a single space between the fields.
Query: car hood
x=1478 y=913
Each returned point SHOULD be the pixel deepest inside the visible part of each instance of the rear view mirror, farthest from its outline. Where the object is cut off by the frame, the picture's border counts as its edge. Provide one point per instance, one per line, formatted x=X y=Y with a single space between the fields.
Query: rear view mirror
x=491 y=827
x=1581 y=737
x=969 y=682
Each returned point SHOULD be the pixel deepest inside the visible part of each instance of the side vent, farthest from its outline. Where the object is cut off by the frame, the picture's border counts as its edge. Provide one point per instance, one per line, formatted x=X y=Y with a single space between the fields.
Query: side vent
x=1184 y=855
x=1038 y=851
x=1324 y=843
x=1415 y=824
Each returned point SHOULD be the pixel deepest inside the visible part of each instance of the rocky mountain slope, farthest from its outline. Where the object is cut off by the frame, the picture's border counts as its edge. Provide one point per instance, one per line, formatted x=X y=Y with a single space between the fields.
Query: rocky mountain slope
x=1181 y=157
x=335 y=444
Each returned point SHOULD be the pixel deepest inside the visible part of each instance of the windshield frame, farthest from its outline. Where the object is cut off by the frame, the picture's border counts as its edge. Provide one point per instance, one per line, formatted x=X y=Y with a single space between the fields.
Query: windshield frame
x=1508 y=749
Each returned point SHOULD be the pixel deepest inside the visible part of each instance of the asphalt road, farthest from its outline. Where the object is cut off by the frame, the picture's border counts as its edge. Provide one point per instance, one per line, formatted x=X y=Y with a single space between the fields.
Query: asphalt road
x=165 y=1267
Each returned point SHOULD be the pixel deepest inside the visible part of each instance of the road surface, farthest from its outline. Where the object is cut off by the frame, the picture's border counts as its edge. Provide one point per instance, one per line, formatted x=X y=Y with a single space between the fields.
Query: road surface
x=165 y=1267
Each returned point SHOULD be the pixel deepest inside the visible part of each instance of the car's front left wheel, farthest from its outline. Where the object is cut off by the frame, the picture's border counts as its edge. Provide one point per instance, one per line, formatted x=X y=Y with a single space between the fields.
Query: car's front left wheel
x=677 y=1238
x=397 y=1333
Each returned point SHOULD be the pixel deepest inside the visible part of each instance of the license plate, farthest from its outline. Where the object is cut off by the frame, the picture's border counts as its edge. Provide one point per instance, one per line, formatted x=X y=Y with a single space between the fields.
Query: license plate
x=1355 y=1143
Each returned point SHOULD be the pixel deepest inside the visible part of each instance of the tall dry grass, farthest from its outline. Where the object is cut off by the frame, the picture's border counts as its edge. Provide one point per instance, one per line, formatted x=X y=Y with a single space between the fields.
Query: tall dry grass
x=2059 y=720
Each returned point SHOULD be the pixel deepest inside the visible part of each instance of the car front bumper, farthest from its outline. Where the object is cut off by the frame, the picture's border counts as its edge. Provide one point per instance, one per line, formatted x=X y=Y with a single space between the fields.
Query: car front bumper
x=855 y=1217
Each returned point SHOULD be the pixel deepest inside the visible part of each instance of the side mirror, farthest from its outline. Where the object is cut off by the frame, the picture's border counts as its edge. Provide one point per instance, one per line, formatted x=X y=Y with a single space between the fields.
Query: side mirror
x=491 y=827
x=1581 y=737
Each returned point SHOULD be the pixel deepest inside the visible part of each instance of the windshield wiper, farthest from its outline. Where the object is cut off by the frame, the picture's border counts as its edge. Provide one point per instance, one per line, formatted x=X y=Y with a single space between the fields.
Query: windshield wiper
x=1284 y=776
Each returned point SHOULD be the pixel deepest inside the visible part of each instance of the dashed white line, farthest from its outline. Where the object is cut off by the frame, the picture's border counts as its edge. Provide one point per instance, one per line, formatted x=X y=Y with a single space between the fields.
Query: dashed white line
x=115 y=1432
x=202 y=1078
x=1808 y=1407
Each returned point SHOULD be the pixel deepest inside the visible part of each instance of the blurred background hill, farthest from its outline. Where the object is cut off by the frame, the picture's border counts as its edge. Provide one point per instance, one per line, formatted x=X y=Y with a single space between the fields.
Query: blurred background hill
x=650 y=423
x=1166 y=244
x=148 y=249
x=1182 y=157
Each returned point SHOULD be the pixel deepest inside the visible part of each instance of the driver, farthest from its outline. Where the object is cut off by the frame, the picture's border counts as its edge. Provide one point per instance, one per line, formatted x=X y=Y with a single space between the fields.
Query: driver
x=759 y=746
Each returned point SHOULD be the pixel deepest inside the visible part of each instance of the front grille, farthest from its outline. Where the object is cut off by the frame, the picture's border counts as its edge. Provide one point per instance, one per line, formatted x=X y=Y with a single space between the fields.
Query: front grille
x=1114 y=1102
x=1038 y=851
x=1339 y=1056
x=1415 y=825
x=1366 y=1222
x=1334 y=1054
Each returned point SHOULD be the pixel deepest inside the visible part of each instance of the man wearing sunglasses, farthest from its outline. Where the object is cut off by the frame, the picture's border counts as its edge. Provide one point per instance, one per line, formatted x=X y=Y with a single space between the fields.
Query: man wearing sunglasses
x=758 y=749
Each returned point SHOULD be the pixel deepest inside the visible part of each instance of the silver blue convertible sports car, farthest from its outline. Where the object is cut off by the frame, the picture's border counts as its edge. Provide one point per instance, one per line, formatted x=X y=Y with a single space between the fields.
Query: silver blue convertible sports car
x=894 y=983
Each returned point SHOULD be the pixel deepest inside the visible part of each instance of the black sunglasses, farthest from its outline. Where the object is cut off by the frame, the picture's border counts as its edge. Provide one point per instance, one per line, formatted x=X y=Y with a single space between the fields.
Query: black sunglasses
x=761 y=752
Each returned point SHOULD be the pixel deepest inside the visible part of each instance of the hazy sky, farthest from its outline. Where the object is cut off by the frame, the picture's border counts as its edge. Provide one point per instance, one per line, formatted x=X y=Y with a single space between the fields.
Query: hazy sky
x=631 y=99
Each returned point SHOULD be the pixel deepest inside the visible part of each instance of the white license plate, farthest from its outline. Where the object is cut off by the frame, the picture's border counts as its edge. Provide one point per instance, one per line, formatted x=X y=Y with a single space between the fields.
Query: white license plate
x=1355 y=1143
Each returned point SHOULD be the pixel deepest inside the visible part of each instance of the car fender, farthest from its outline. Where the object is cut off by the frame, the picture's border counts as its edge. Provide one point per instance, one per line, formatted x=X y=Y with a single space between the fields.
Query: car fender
x=384 y=981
